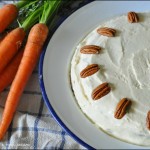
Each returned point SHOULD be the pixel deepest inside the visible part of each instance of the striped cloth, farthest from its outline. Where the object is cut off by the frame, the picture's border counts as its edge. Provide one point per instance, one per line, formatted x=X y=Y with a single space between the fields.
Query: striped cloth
x=33 y=127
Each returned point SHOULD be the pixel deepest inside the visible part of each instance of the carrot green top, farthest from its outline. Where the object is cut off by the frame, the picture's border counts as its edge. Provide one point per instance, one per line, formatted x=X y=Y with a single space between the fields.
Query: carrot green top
x=50 y=7
x=25 y=3
x=42 y=14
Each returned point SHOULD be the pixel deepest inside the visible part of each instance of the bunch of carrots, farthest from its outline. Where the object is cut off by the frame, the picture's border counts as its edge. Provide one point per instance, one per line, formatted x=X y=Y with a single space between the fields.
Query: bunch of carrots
x=17 y=61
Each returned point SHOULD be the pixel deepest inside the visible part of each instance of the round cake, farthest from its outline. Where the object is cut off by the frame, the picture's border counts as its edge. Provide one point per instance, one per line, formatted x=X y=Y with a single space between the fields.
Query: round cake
x=110 y=76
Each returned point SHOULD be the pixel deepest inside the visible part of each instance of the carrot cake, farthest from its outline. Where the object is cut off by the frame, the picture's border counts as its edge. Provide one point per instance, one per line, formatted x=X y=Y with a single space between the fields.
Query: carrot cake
x=110 y=76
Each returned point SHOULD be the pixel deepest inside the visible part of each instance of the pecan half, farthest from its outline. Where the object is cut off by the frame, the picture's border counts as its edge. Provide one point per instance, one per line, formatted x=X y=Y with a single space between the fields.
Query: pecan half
x=90 y=49
x=89 y=70
x=121 y=108
x=105 y=31
x=132 y=17
x=100 y=91
x=148 y=120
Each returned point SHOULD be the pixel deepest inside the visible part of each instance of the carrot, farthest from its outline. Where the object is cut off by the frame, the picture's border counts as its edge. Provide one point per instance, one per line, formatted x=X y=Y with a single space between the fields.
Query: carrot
x=13 y=40
x=36 y=39
x=10 y=45
x=8 y=13
x=1 y=38
x=8 y=74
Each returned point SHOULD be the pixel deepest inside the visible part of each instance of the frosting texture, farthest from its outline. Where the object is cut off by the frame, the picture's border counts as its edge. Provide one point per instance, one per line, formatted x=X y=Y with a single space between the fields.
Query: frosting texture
x=124 y=63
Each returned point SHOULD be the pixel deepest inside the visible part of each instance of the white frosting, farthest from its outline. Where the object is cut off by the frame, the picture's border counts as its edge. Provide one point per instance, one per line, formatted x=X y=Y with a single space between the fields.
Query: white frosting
x=124 y=63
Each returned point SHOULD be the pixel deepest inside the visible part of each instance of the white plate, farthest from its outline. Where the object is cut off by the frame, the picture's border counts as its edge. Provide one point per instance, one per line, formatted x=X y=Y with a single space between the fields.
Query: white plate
x=55 y=64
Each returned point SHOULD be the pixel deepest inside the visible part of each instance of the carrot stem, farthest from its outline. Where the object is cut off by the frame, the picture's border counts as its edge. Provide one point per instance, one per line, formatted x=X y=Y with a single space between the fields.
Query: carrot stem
x=32 y=19
x=49 y=8
x=42 y=14
x=24 y=3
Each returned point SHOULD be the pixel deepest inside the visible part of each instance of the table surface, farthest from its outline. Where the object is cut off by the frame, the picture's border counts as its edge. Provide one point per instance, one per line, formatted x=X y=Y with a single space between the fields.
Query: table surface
x=33 y=127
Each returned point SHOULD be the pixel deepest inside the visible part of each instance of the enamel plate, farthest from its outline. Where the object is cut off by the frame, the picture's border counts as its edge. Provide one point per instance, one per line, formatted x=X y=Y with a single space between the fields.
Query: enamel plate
x=55 y=65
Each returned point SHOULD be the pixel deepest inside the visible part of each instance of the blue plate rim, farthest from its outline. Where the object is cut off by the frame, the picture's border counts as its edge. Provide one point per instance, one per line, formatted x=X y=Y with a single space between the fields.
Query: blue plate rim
x=43 y=91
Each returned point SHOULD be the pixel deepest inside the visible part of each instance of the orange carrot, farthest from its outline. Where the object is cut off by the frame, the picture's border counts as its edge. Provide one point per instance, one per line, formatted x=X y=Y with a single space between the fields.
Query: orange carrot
x=7 y=15
x=13 y=40
x=10 y=45
x=9 y=12
x=8 y=74
x=2 y=36
x=32 y=51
